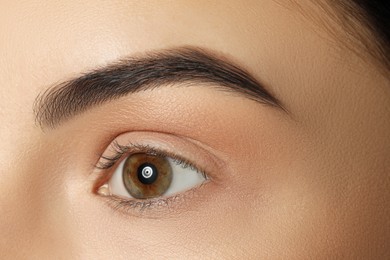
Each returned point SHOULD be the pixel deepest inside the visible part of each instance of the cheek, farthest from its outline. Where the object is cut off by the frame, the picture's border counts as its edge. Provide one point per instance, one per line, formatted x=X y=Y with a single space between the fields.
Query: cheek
x=299 y=194
x=35 y=212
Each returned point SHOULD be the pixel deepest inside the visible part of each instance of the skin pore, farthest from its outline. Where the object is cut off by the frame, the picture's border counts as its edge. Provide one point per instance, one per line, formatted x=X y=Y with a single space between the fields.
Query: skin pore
x=310 y=181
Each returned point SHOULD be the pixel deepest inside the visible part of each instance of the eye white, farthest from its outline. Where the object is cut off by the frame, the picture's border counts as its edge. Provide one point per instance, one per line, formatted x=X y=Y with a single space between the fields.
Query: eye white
x=183 y=179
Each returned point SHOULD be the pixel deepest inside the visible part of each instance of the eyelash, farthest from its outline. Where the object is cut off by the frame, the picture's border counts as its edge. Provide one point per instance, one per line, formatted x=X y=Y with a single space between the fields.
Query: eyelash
x=106 y=162
x=126 y=205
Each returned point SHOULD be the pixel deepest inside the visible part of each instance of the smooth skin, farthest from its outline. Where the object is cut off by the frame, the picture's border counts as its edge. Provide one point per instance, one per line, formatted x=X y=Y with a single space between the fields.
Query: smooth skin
x=309 y=183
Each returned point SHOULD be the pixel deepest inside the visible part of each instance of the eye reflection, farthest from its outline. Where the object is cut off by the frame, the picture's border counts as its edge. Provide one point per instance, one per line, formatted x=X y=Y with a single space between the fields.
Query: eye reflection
x=146 y=176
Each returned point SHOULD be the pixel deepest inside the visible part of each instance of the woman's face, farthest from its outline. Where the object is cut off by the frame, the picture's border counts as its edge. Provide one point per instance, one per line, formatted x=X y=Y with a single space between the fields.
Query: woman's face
x=306 y=181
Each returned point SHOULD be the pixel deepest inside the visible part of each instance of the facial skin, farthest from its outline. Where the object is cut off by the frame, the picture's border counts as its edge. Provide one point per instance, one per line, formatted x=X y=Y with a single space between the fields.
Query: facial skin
x=308 y=182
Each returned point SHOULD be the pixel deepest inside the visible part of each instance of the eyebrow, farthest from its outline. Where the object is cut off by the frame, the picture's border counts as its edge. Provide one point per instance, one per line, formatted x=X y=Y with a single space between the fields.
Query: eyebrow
x=187 y=65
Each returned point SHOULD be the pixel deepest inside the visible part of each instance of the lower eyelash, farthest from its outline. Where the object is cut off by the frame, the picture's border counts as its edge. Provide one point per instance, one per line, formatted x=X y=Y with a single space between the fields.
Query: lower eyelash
x=125 y=204
x=142 y=207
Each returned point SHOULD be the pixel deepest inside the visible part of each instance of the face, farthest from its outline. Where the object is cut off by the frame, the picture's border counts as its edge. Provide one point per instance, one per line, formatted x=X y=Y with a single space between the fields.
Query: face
x=302 y=175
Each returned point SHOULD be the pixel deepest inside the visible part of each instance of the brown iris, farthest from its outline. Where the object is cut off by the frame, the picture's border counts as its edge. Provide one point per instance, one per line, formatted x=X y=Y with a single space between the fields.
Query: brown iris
x=146 y=176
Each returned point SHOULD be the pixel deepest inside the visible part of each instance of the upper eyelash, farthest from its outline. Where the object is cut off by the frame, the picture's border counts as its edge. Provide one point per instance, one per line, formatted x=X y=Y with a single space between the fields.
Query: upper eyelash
x=106 y=162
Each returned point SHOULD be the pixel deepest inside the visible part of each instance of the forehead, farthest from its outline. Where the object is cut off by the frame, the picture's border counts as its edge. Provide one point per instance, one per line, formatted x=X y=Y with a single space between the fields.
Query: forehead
x=90 y=33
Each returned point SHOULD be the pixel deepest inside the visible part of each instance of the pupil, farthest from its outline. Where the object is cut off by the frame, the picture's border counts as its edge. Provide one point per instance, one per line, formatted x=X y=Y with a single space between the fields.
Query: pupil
x=147 y=173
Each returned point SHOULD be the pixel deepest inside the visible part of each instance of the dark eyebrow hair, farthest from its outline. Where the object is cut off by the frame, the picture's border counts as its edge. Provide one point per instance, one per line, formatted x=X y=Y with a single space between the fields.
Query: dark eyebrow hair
x=151 y=70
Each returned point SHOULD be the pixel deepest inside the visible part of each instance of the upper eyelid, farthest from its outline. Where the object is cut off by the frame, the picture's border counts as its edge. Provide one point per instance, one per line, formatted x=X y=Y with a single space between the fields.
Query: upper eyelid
x=203 y=157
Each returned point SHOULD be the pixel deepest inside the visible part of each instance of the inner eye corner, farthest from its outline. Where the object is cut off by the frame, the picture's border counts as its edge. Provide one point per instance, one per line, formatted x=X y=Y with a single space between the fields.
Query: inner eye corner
x=102 y=190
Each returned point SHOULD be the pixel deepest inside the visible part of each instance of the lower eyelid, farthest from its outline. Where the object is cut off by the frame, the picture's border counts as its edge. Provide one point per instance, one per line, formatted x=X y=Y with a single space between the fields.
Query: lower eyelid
x=159 y=207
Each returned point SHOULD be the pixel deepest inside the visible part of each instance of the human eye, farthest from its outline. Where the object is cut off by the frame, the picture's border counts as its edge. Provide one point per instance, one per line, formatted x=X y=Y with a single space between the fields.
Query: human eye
x=147 y=176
